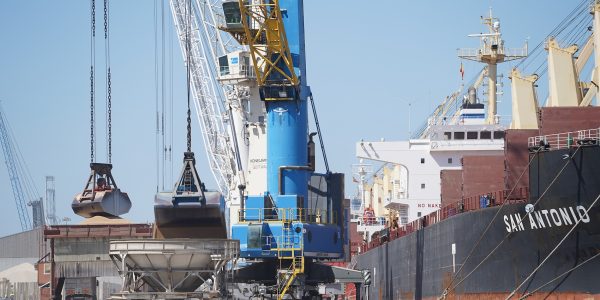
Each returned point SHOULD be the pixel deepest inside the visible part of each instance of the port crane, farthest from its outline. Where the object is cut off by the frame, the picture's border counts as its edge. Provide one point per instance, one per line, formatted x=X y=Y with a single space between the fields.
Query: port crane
x=256 y=80
x=20 y=180
x=284 y=229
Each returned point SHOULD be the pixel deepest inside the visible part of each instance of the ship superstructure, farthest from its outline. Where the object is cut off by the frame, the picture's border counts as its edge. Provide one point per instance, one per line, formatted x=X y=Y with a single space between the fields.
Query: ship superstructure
x=462 y=125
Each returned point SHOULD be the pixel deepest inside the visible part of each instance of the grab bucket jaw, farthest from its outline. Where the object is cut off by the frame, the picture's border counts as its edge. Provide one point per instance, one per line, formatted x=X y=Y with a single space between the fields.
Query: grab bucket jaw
x=101 y=196
x=190 y=211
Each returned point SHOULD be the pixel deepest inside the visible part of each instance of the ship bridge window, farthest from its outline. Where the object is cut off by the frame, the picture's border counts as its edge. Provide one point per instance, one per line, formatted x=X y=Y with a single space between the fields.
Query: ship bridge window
x=447 y=135
x=485 y=135
x=459 y=135
x=498 y=135
x=472 y=135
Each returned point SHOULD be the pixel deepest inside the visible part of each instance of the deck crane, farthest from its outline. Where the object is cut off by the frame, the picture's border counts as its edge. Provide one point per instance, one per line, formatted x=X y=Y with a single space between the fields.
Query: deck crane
x=22 y=191
x=448 y=111
x=101 y=195
x=283 y=228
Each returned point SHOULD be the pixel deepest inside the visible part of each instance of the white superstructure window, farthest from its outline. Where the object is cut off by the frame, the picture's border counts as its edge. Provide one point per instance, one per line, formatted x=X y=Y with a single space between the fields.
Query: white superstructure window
x=422 y=185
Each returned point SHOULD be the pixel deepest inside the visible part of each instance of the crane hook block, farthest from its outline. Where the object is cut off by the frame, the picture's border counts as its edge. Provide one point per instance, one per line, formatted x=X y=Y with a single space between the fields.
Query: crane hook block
x=101 y=196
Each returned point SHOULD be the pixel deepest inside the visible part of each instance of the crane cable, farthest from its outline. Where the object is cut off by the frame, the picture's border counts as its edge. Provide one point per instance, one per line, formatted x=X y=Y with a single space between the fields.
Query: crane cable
x=559 y=276
x=553 y=250
x=508 y=234
x=108 y=81
x=189 y=79
x=92 y=76
x=314 y=110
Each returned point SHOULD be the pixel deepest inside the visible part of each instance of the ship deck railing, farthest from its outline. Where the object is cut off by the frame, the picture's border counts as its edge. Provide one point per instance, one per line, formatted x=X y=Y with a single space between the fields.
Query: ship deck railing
x=564 y=140
x=466 y=204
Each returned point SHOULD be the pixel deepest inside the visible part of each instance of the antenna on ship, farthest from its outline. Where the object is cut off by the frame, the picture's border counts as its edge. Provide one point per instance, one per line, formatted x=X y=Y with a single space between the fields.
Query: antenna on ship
x=491 y=51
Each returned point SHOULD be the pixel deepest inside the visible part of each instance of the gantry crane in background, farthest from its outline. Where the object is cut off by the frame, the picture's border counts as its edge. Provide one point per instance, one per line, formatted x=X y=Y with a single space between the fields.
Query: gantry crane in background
x=24 y=191
x=50 y=204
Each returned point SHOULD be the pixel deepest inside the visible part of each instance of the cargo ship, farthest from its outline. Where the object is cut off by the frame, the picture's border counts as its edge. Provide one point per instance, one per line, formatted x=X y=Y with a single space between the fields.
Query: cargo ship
x=471 y=208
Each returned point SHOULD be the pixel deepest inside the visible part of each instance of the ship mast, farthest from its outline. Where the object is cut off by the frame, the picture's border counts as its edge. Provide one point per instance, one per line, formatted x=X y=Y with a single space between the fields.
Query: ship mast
x=491 y=52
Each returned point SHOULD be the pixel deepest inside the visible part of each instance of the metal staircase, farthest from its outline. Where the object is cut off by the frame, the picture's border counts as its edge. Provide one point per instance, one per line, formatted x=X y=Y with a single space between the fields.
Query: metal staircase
x=290 y=251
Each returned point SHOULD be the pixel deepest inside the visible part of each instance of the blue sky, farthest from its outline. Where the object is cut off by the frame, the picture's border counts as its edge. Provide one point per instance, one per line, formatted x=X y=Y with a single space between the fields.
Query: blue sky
x=366 y=61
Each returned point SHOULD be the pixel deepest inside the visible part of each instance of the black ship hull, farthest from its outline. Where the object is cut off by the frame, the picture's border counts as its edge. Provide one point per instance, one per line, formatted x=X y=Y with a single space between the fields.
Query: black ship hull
x=420 y=265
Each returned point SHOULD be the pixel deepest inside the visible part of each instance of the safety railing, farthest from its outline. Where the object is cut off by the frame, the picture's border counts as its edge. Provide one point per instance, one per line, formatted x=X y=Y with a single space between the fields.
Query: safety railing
x=476 y=52
x=464 y=205
x=565 y=140
x=305 y=215
x=288 y=246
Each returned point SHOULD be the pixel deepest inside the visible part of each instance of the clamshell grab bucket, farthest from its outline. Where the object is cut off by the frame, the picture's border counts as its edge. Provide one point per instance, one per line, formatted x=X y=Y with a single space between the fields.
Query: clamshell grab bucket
x=101 y=196
x=190 y=211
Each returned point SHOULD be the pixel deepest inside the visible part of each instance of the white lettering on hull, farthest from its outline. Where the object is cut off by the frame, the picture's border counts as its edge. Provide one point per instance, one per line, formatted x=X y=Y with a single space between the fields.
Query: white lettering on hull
x=563 y=216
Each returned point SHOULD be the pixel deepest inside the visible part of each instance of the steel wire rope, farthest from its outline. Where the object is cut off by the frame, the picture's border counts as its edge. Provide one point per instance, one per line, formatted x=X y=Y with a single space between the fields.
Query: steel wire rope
x=156 y=110
x=580 y=12
x=162 y=92
x=521 y=221
x=556 y=28
x=583 y=37
x=21 y=166
x=559 y=276
x=171 y=42
x=316 y=118
x=577 y=27
x=543 y=68
x=553 y=250
x=487 y=228
x=574 y=14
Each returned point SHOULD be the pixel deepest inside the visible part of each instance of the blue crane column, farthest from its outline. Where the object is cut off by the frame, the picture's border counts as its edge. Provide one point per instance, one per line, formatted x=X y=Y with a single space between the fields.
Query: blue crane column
x=288 y=172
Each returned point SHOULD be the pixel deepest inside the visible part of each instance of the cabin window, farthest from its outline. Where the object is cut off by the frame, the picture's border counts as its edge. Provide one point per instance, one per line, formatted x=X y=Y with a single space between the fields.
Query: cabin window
x=471 y=135
x=459 y=135
x=449 y=160
x=447 y=135
x=422 y=160
x=485 y=135
x=498 y=135
x=223 y=65
x=419 y=214
x=255 y=236
x=422 y=185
